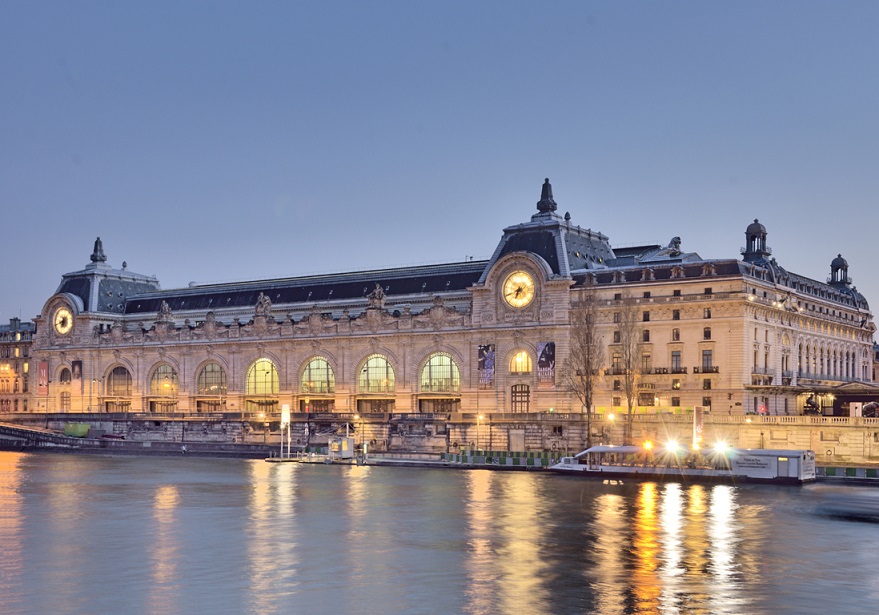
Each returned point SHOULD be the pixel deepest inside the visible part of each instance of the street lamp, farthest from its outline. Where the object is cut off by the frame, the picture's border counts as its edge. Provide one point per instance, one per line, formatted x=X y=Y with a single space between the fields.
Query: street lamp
x=478 y=421
x=357 y=417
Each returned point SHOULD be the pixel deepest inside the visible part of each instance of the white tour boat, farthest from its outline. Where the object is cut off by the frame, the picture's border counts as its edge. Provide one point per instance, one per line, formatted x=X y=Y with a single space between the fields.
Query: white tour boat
x=671 y=463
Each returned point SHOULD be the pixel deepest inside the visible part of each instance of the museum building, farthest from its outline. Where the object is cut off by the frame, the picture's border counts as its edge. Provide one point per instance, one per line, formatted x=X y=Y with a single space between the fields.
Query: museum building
x=734 y=335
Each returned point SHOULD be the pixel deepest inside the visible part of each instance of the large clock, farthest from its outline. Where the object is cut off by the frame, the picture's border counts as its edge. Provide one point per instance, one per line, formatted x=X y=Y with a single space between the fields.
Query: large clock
x=62 y=320
x=518 y=289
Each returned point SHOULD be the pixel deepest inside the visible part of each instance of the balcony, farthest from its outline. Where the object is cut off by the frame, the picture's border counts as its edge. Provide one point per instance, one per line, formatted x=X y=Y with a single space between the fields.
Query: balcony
x=709 y=369
x=678 y=370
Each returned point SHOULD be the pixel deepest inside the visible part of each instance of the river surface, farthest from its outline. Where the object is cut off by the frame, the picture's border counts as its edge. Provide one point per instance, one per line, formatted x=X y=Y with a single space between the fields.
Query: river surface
x=96 y=534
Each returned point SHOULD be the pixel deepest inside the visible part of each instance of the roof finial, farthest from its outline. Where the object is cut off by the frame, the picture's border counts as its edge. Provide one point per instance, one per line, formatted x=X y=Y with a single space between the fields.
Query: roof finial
x=546 y=203
x=98 y=255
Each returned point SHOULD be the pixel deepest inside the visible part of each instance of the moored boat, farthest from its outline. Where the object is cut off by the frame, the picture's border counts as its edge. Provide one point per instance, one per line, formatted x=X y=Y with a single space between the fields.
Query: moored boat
x=671 y=463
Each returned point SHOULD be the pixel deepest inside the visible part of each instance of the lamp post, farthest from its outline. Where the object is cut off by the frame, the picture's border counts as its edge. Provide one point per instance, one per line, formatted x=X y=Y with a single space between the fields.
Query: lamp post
x=360 y=431
x=478 y=421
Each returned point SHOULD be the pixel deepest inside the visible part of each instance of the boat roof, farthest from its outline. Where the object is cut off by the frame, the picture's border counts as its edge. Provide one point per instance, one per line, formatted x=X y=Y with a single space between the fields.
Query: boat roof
x=609 y=448
x=770 y=452
x=634 y=450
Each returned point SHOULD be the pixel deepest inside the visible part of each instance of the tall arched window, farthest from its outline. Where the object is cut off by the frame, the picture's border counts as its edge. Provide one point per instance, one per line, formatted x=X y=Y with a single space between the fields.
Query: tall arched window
x=65 y=376
x=318 y=377
x=212 y=380
x=440 y=375
x=164 y=381
x=520 y=363
x=262 y=378
x=376 y=375
x=119 y=382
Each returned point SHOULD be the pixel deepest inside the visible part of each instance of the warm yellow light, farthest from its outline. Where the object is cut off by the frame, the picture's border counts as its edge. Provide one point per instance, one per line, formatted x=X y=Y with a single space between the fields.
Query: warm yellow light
x=696 y=446
x=648 y=445
x=610 y=416
x=671 y=446
x=748 y=420
x=720 y=446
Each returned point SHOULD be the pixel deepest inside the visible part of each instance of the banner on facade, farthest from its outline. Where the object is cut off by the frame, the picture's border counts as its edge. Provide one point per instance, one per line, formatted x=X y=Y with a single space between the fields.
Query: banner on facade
x=76 y=377
x=546 y=363
x=43 y=379
x=486 y=365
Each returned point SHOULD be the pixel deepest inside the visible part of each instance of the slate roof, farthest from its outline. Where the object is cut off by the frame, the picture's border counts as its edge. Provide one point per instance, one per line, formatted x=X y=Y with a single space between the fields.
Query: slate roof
x=429 y=280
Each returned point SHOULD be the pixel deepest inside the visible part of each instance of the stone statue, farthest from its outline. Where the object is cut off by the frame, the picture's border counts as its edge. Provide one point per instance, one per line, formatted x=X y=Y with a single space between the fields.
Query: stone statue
x=164 y=312
x=377 y=297
x=263 y=305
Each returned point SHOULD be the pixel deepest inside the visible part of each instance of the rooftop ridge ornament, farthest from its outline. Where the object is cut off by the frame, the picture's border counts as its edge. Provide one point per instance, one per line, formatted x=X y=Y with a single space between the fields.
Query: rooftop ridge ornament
x=98 y=255
x=546 y=202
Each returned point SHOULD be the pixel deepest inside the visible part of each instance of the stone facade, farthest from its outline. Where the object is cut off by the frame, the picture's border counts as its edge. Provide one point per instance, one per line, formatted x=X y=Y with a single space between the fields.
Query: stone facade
x=462 y=339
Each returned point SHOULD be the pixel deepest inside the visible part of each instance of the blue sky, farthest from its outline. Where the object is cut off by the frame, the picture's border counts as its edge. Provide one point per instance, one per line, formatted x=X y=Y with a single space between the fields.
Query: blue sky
x=219 y=141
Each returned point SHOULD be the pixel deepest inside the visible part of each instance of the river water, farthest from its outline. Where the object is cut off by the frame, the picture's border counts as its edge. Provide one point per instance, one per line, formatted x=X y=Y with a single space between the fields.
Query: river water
x=96 y=534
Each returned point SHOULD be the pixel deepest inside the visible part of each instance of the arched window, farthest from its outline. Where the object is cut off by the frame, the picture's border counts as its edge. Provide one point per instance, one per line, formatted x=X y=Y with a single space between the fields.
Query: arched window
x=318 y=377
x=119 y=382
x=65 y=376
x=520 y=363
x=262 y=378
x=164 y=381
x=376 y=376
x=440 y=375
x=212 y=380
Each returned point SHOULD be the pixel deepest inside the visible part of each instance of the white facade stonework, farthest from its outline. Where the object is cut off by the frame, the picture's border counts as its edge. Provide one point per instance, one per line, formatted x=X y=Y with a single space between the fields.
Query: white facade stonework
x=738 y=335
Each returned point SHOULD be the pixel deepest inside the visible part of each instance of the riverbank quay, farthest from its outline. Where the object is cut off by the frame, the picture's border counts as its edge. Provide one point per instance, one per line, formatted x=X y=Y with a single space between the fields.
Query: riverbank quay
x=837 y=441
x=41 y=440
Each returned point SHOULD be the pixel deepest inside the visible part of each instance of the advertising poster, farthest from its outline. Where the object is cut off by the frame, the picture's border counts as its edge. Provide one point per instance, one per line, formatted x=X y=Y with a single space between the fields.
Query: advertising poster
x=486 y=365
x=76 y=376
x=43 y=379
x=546 y=363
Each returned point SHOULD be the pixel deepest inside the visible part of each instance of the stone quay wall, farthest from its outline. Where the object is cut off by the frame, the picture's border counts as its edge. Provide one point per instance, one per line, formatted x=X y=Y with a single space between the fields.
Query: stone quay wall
x=835 y=440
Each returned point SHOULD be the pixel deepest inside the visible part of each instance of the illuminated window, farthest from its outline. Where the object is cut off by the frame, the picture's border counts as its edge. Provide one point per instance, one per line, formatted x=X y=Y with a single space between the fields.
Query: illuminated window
x=262 y=378
x=376 y=376
x=520 y=363
x=675 y=335
x=212 y=380
x=164 y=381
x=318 y=377
x=440 y=375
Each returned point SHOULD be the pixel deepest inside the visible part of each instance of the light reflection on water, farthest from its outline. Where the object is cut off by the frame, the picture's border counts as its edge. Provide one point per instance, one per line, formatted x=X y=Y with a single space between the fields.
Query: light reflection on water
x=82 y=534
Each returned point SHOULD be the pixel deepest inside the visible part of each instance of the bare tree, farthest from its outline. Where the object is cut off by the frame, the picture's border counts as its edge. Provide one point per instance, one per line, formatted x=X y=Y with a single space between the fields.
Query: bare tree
x=582 y=367
x=629 y=354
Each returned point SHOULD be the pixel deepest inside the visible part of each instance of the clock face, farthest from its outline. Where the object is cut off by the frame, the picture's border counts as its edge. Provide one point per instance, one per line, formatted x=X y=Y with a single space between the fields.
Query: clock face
x=518 y=289
x=63 y=320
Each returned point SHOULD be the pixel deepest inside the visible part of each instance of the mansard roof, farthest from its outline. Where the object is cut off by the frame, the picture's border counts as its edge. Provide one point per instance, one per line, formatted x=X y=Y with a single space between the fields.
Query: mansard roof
x=426 y=280
x=102 y=288
x=564 y=246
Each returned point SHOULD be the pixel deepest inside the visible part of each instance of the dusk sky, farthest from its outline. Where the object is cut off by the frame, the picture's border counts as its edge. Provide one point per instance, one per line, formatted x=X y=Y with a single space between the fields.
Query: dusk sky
x=222 y=141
